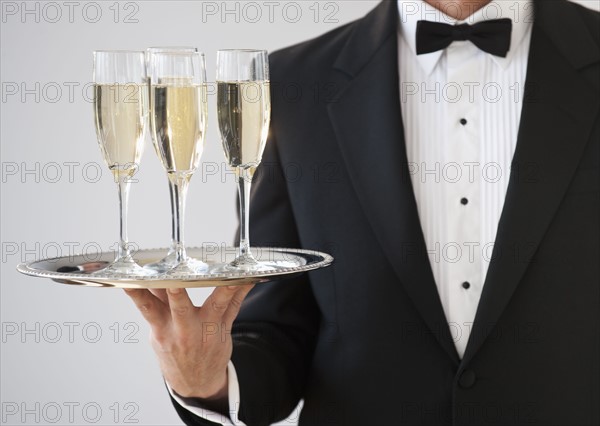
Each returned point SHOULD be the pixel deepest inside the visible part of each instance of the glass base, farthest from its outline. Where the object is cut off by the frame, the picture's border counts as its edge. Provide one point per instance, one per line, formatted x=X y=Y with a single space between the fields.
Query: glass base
x=165 y=264
x=124 y=266
x=246 y=263
x=189 y=266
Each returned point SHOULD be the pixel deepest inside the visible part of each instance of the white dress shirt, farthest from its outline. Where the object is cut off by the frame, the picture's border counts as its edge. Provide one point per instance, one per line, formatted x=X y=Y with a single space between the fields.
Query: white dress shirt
x=460 y=109
x=234 y=402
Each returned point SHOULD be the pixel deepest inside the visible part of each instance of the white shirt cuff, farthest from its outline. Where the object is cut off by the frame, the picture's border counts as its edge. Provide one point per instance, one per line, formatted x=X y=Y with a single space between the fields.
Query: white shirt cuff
x=233 y=388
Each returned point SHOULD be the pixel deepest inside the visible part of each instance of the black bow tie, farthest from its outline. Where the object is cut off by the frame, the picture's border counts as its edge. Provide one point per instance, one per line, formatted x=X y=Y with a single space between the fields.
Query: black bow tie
x=490 y=36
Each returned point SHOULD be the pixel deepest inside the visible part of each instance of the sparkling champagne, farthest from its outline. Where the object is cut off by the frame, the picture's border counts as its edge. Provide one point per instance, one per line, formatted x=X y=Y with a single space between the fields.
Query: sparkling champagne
x=120 y=113
x=244 y=111
x=179 y=115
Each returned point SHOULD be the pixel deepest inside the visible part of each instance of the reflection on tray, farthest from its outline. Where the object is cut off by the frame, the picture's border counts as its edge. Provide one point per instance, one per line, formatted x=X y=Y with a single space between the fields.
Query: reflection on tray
x=85 y=268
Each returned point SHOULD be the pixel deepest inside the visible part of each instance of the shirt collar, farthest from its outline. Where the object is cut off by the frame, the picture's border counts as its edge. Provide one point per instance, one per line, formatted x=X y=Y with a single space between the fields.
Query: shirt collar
x=412 y=11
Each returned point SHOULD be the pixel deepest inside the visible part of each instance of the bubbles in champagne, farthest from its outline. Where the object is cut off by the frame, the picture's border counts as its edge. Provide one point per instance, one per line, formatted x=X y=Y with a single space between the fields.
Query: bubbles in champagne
x=179 y=114
x=120 y=113
x=244 y=110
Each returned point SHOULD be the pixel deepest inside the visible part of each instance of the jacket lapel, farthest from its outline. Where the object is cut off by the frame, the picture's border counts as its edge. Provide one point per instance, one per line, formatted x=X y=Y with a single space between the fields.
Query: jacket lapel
x=558 y=113
x=367 y=122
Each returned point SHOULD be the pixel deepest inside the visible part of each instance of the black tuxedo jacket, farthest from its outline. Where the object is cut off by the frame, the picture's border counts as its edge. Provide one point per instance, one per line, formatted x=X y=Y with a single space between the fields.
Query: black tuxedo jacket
x=365 y=341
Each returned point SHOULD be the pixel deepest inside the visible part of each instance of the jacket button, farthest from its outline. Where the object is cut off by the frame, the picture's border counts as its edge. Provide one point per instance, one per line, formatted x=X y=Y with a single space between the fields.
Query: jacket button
x=467 y=379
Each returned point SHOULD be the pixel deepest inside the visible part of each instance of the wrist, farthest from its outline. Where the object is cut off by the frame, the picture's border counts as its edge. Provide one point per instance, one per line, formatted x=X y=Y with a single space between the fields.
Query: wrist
x=214 y=400
x=214 y=392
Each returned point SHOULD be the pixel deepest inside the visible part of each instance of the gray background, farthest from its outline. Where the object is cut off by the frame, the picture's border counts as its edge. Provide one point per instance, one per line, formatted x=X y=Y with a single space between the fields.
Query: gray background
x=88 y=348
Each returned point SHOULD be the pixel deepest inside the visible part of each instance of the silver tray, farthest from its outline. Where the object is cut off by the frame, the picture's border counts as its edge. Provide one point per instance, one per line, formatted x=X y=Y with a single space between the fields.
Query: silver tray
x=86 y=270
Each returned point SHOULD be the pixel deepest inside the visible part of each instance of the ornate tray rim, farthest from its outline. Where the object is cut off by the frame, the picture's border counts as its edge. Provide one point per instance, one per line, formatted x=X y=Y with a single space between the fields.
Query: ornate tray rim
x=164 y=281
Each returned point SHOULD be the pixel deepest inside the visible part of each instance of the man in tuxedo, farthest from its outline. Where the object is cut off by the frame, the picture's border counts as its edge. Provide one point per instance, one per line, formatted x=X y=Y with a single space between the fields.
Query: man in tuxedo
x=453 y=174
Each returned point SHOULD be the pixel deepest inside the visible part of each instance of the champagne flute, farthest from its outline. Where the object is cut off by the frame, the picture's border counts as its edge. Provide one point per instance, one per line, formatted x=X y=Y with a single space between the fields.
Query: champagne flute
x=178 y=121
x=170 y=260
x=121 y=110
x=244 y=110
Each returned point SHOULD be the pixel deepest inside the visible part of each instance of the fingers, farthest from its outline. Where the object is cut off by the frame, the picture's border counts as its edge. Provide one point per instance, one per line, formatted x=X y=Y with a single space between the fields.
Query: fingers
x=223 y=305
x=182 y=309
x=159 y=305
x=161 y=293
x=153 y=310
x=236 y=303
x=215 y=306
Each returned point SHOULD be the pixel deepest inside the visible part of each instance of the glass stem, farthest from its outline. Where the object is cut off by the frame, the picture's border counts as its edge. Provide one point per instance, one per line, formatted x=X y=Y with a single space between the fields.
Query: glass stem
x=173 y=213
x=180 y=184
x=244 y=182
x=123 y=186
